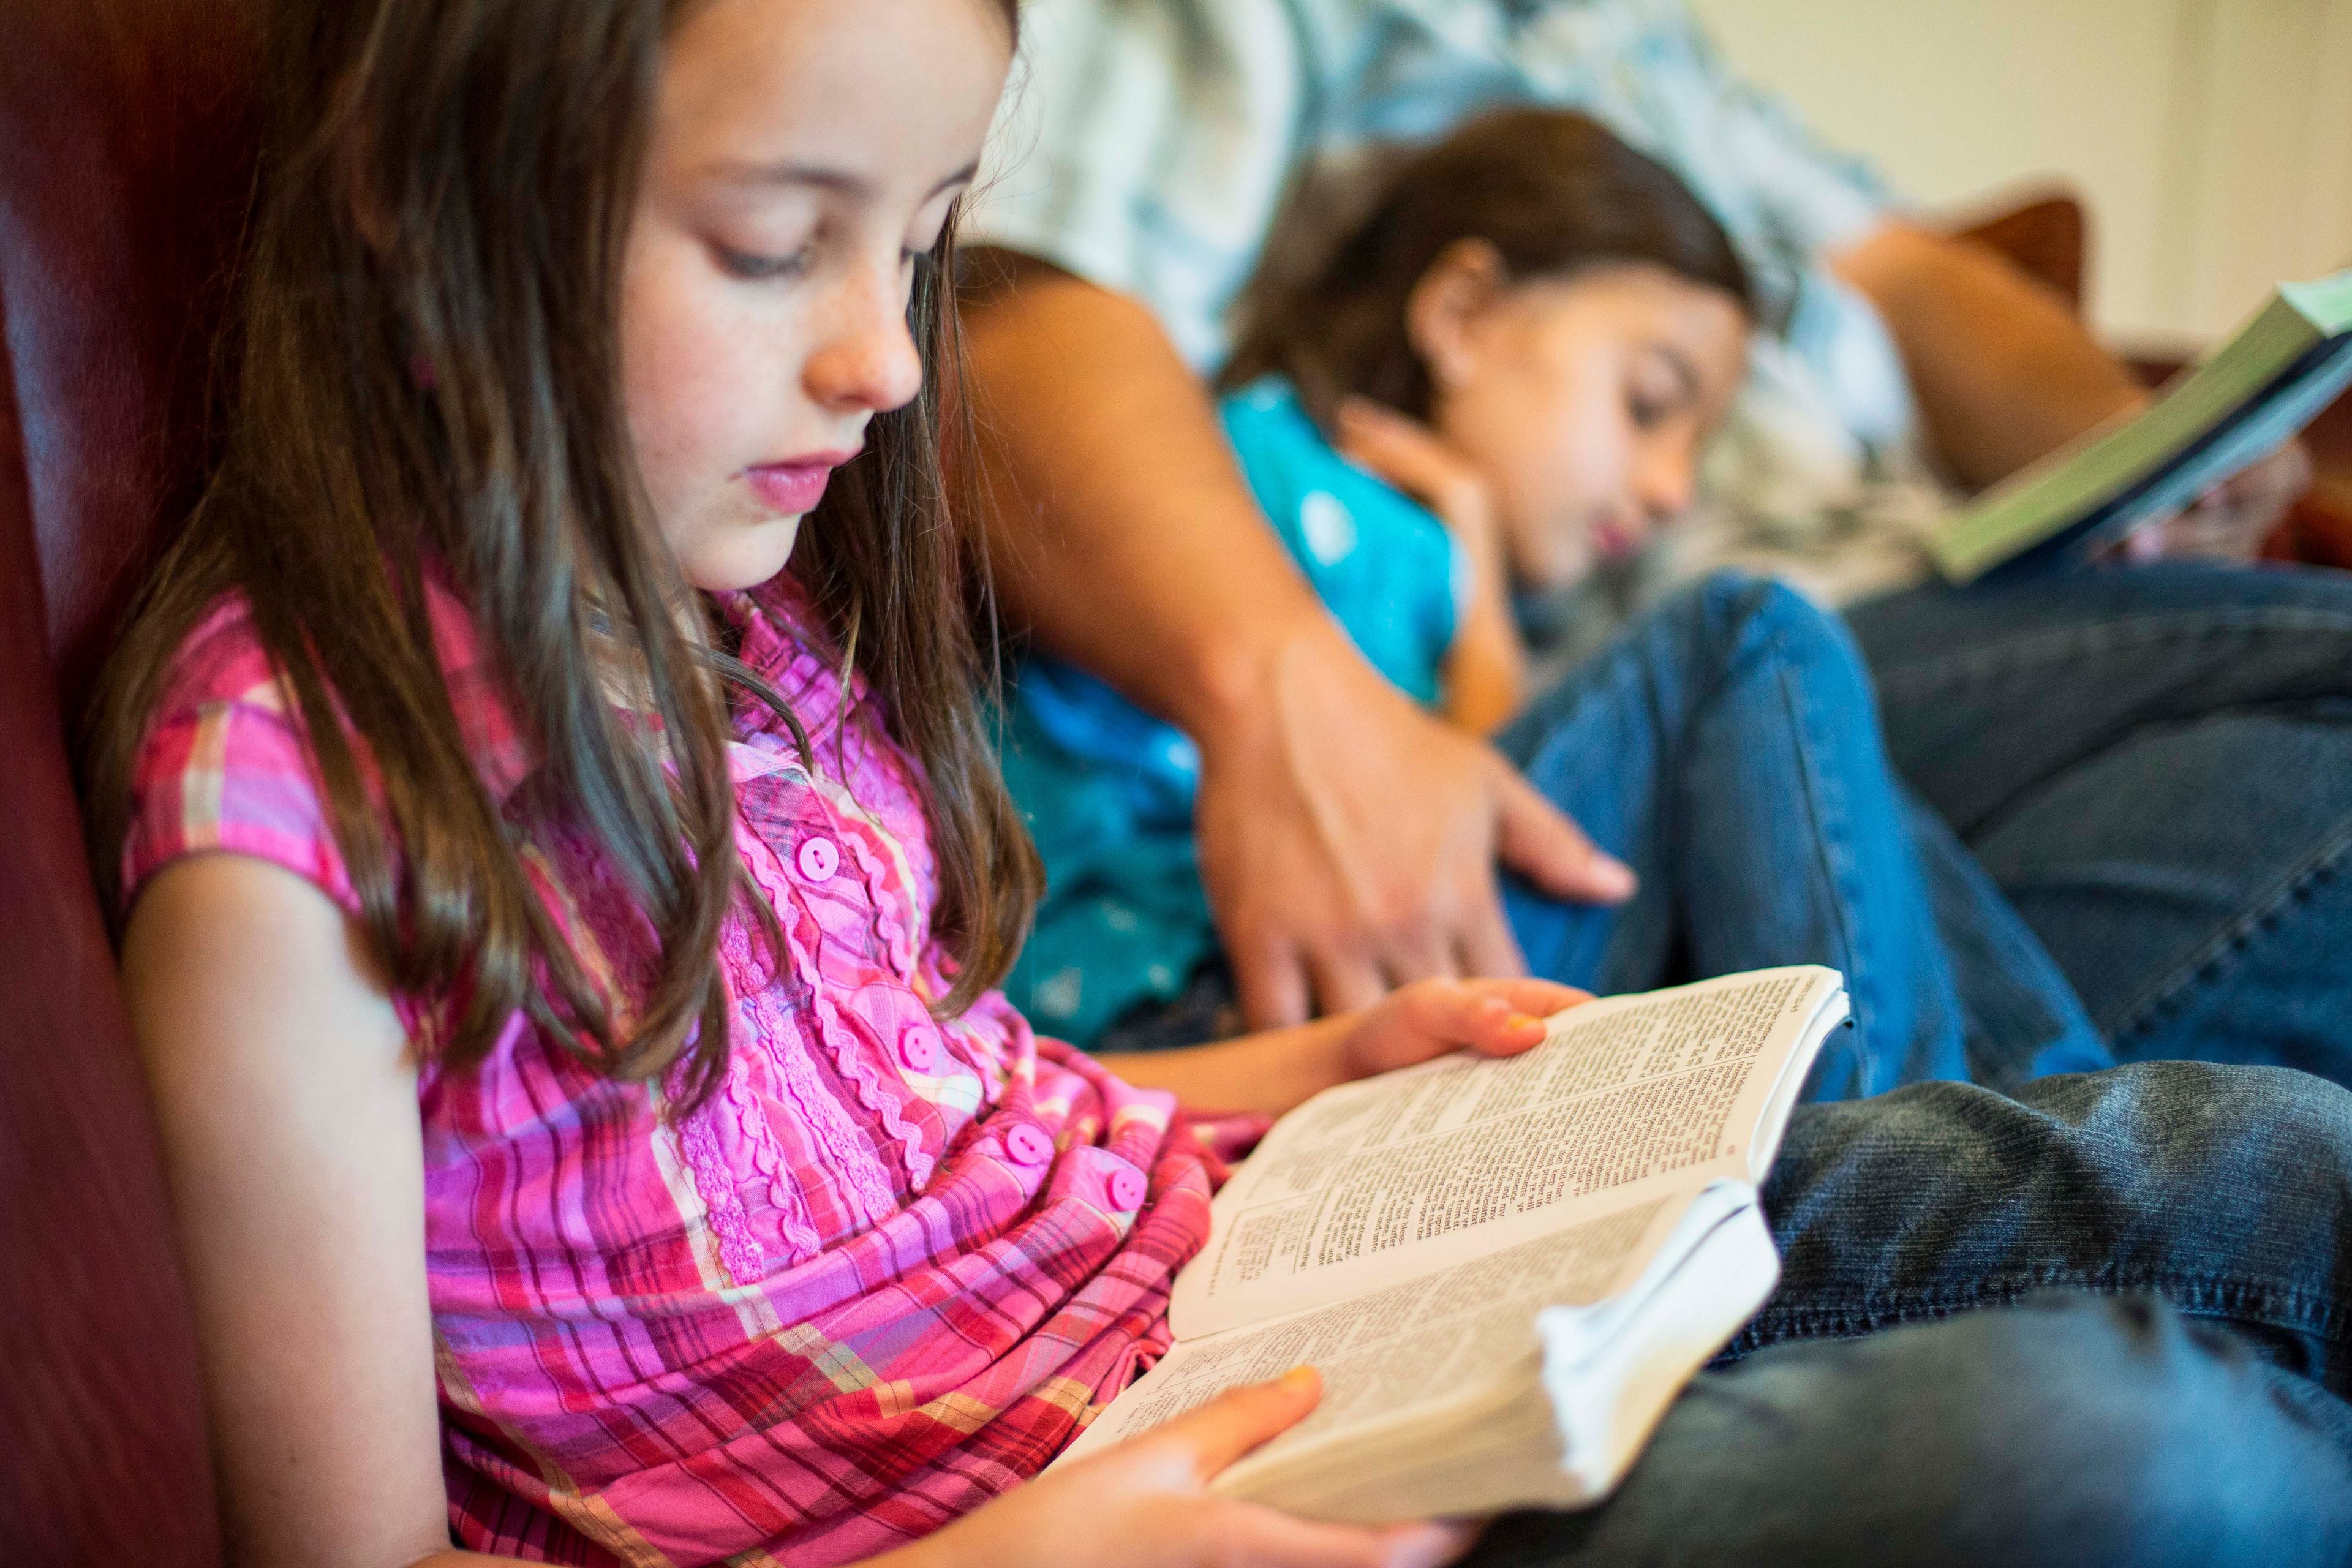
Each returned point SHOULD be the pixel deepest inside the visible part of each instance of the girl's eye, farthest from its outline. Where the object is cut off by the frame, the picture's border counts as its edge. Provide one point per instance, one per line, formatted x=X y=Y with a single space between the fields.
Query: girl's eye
x=759 y=269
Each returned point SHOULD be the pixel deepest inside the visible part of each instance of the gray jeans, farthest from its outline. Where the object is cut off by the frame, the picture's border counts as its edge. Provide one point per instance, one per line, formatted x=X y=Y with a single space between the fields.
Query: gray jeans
x=2115 y=1331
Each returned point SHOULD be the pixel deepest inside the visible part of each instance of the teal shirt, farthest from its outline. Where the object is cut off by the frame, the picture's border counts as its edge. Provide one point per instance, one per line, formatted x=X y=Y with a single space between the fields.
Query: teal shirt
x=1108 y=790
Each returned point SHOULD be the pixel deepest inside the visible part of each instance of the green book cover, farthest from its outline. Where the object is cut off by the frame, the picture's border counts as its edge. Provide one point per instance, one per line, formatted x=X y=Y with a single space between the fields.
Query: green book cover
x=2235 y=404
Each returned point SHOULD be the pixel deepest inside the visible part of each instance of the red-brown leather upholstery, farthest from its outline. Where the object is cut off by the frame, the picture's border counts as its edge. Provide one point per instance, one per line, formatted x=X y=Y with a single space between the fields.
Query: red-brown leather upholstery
x=125 y=153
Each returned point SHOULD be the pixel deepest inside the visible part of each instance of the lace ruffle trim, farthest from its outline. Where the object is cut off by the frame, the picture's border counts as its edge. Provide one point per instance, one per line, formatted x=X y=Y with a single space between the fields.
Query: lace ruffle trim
x=873 y=1092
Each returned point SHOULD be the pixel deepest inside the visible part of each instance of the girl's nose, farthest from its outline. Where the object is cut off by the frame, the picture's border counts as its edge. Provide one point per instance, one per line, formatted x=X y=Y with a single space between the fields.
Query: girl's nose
x=1668 y=481
x=868 y=359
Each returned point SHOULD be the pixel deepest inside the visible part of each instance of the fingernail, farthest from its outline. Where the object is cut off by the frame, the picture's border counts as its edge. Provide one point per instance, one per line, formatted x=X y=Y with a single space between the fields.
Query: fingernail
x=1523 y=1021
x=1616 y=876
x=1429 y=1545
x=1299 y=1376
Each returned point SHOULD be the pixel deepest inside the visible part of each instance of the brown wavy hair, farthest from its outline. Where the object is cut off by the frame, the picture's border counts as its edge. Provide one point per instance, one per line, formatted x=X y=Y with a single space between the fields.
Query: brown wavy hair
x=1553 y=191
x=391 y=234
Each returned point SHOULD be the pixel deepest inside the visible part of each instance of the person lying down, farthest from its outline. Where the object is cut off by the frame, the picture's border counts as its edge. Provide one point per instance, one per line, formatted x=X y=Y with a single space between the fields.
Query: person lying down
x=1500 y=374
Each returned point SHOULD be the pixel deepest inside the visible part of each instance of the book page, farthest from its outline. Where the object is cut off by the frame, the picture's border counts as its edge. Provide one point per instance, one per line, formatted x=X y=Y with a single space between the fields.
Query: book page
x=1628 y=1099
x=1402 y=1349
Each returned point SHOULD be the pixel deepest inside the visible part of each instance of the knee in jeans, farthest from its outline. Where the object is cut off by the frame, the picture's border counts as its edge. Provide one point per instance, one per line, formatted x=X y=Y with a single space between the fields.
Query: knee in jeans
x=1744 y=614
x=2269 y=1135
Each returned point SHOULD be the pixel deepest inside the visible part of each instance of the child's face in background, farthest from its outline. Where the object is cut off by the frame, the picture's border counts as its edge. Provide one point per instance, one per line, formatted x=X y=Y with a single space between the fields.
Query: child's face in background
x=1583 y=402
x=804 y=152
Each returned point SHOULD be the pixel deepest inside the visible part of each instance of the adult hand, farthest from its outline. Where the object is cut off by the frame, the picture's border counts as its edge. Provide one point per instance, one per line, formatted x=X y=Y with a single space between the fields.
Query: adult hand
x=1349 y=842
x=2229 y=521
x=1146 y=1504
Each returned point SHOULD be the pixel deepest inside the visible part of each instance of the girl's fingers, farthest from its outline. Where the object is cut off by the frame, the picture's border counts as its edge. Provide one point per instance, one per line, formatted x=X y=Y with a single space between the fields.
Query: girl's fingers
x=1396 y=447
x=1449 y=1014
x=1381 y=456
x=1238 y=1420
x=1496 y=1016
x=1541 y=997
x=1267 y=1538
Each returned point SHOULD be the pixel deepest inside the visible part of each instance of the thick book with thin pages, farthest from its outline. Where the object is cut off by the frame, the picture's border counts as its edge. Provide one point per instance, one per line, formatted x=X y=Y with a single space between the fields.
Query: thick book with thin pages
x=1504 y=1269
x=2235 y=404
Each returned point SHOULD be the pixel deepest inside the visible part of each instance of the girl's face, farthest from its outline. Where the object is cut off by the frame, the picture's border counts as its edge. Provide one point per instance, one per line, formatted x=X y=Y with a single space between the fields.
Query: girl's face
x=1582 y=401
x=803 y=153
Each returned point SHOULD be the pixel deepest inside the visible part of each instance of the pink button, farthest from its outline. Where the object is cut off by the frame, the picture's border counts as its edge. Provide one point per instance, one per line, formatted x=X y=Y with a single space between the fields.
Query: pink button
x=819 y=858
x=916 y=1049
x=1028 y=1145
x=1127 y=1188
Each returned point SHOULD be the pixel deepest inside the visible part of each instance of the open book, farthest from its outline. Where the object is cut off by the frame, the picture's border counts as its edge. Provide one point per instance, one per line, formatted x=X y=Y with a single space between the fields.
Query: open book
x=1504 y=1269
x=2236 y=405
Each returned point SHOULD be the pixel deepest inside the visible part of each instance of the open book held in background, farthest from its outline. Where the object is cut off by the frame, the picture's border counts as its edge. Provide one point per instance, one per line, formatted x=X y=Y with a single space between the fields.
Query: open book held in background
x=1504 y=1269
x=2236 y=405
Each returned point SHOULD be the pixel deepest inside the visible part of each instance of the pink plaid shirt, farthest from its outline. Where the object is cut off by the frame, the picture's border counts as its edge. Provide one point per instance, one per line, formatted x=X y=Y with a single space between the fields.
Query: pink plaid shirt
x=888 y=1271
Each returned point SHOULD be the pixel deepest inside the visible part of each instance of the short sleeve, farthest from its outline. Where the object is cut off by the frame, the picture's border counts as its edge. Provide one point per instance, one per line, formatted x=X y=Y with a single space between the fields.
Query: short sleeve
x=223 y=766
x=1145 y=145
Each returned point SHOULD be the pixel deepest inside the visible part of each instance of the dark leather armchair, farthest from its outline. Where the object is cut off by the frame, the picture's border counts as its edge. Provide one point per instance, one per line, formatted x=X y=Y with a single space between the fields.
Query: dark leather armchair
x=124 y=178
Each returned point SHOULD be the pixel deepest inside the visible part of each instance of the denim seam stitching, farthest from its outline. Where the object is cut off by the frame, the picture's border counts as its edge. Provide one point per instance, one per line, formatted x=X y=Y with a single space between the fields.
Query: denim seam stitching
x=1829 y=818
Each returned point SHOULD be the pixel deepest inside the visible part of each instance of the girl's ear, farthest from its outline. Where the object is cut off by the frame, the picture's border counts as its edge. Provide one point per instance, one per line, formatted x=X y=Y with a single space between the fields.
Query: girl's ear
x=1442 y=313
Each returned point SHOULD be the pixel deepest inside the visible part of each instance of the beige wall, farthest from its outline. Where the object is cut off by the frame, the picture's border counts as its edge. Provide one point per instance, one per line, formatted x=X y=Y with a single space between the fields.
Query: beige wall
x=2210 y=138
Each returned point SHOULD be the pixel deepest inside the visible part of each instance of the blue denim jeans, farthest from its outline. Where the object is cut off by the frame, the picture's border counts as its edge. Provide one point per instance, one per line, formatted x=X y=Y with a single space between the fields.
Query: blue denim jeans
x=2106 y=1314
x=2109 y=1320
x=1727 y=747
x=2155 y=765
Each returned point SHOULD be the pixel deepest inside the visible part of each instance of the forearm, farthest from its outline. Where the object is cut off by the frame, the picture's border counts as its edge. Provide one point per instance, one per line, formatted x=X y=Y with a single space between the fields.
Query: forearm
x=2003 y=372
x=1484 y=672
x=1122 y=532
x=1270 y=1071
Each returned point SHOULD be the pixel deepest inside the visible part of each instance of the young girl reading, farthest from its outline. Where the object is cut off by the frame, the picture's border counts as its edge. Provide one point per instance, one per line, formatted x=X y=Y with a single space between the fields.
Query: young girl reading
x=562 y=884
x=563 y=875
x=1501 y=372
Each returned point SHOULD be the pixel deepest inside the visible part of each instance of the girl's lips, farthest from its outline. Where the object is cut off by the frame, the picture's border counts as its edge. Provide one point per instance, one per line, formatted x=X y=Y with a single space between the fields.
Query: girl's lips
x=794 y=488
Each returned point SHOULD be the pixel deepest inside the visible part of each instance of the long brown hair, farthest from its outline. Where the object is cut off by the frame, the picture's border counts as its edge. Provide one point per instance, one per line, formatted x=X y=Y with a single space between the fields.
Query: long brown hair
x=427 y=378
x=1551 y=190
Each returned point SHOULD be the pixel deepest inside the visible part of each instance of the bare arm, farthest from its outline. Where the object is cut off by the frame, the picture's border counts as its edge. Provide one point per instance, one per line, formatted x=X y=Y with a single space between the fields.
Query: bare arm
x=1347 y=841
x=2005 y=374
x=287 y=1107
x=1089 y=414
x=2003 y=370
x=1280 y=1068
x=287 y=1101
x=1486 y=670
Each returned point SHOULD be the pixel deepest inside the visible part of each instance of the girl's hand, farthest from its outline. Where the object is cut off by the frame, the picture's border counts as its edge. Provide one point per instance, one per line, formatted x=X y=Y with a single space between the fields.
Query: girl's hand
x=1432 y=1017
x=1146 y=1504
x=1417 y=460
